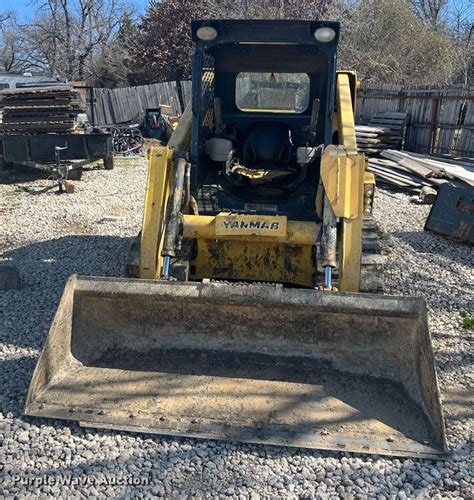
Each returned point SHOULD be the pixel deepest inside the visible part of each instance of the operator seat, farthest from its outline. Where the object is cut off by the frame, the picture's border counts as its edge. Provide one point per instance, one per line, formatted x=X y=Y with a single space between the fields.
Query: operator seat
x=268 y=145
x=267 y=152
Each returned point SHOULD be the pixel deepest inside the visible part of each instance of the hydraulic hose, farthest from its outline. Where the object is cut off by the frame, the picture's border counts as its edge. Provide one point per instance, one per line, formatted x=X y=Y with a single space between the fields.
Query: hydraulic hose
x=173 y=215
x=328 y=242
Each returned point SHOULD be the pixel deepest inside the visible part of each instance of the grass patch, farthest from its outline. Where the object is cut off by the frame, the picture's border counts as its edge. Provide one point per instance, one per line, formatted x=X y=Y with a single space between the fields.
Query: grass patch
x=467 y=321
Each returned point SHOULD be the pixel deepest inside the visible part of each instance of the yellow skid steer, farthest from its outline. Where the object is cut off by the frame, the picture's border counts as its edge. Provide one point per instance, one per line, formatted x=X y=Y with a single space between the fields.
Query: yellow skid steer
x=247 y=318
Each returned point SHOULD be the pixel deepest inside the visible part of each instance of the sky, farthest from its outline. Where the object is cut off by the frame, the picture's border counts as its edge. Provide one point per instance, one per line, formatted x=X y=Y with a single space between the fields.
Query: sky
x=26 y=8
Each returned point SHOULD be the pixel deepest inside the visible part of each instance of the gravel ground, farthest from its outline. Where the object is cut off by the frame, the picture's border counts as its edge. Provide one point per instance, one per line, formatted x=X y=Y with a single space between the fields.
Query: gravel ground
x=48 y=237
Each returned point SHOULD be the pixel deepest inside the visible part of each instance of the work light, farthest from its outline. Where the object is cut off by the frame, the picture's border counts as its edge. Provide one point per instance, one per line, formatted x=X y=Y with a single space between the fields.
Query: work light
x=325 y=34
x=206 y=33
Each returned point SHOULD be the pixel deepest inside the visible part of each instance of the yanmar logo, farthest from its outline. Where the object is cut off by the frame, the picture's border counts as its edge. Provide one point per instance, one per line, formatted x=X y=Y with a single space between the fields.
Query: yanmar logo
x=253 y=224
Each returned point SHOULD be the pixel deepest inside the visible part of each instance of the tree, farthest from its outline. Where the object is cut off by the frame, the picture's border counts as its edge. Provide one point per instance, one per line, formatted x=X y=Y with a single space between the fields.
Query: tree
x=110 y=66
x=68 y=32
x=432 y=12
x=8 y=49
x=163 y=48
x=386 y=43
x=271 y=9
x=393 y=41
x=461 y=29
x=63 y=38
x=13 y=56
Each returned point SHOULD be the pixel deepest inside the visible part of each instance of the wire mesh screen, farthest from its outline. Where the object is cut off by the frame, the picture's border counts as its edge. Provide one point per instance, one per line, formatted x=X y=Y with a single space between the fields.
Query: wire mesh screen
x=207 y=92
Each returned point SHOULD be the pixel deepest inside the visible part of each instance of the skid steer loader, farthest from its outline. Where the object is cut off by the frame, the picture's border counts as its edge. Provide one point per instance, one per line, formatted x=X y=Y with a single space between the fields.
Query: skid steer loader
x=247 y=320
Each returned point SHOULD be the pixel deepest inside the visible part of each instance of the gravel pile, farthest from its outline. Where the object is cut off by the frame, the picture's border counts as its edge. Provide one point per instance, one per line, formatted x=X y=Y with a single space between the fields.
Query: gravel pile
x=48 y=237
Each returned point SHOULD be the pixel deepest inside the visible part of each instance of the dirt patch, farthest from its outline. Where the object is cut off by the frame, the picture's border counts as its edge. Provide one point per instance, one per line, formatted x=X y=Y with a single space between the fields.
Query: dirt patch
x=75 y=228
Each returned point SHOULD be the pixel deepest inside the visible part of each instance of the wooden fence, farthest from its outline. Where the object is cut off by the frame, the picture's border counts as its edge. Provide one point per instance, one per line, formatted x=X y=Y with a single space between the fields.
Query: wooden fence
x=439 y=120
x=128 y=104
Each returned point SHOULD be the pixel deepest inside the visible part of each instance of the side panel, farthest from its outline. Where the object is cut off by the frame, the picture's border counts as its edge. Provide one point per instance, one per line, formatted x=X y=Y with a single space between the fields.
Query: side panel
x=341 y=177
x=452 y=213
x=253 y=261
x=40 y=148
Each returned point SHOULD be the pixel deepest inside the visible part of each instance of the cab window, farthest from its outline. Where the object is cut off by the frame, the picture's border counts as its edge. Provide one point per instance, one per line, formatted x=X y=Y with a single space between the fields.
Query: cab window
x=272 y=92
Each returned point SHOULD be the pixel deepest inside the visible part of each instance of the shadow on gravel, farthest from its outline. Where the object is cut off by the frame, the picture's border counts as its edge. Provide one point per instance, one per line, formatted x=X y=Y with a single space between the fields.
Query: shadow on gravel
x=15 y=375
x=45 y=267
x=76 y=253
x=26 y=314
x=27 y=175
x=22 y=173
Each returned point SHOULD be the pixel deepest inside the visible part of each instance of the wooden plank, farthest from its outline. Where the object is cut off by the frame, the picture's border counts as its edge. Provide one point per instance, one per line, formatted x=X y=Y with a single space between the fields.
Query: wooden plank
x=37 y=90
x=186 y=88
x=37 y=119
x=449 y=116
x=390 y=174
x=460 y=172
x=416 y=164
x=465 y=145
x=43 y=127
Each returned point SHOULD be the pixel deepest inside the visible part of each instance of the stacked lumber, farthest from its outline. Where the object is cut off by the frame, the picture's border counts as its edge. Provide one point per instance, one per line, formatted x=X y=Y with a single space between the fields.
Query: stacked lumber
x=34 y=110
x=373 y=140
x=412 y=172
x=385 y=131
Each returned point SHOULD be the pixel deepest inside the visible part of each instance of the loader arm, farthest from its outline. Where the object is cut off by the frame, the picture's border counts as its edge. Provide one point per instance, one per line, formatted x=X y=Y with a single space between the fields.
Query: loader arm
x=160 y=174
x=343 y=177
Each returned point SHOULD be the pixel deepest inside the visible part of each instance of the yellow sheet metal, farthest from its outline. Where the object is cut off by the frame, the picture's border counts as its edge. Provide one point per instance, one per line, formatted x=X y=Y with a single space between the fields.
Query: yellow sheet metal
x=250 y=225
x=204 y=226
x=160 y=168
x=182 y=135
x=253 y=261
x=345 y=114
x=160 y=172
x=341 y=177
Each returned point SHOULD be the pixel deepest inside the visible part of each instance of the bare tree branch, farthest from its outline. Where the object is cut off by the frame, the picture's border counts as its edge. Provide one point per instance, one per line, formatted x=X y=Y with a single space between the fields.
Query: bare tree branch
x=431 y=11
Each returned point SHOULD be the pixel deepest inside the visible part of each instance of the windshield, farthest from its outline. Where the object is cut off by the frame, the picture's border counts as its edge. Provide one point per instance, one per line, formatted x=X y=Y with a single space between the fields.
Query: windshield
x=272 y=92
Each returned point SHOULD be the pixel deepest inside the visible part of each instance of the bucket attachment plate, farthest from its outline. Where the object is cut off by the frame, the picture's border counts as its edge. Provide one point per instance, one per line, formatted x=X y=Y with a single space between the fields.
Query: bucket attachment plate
x=293 y=367
x=452 y=213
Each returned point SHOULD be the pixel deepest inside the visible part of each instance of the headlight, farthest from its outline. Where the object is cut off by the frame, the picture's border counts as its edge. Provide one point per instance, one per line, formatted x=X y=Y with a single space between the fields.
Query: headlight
x=325 y=34
x=206 y=33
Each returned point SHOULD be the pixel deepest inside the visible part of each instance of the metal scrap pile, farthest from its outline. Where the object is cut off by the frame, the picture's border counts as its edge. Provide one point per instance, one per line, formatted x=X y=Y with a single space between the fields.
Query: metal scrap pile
x=33 y=110
x=411 y=172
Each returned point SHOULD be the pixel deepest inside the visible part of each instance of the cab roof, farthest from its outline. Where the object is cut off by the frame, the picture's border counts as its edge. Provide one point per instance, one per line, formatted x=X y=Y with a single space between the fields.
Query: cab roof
x=282 y=31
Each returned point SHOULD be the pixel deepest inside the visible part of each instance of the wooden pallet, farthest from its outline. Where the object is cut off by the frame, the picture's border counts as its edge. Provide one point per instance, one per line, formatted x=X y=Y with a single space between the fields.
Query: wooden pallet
x=385 y=131
x=33 y=110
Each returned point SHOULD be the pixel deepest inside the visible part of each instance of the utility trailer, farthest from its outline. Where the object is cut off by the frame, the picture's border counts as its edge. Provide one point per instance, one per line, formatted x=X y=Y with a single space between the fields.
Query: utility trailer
x=40 y=149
